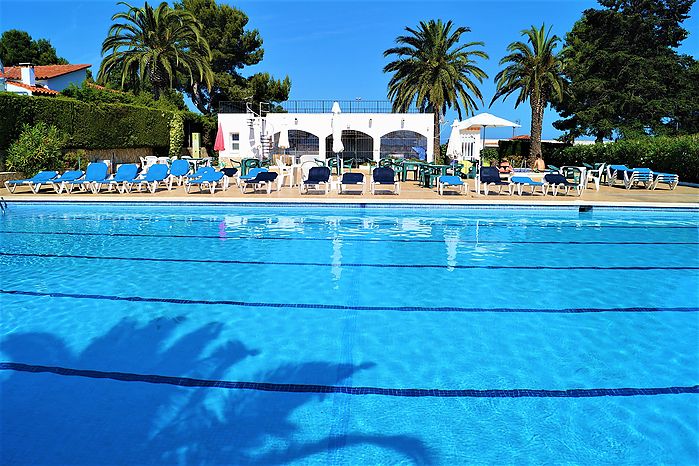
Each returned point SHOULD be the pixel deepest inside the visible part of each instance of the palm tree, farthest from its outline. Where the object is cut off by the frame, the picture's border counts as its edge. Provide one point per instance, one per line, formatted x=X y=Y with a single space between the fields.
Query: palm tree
x=534 y=70
x=156 y=44
x=434 y=72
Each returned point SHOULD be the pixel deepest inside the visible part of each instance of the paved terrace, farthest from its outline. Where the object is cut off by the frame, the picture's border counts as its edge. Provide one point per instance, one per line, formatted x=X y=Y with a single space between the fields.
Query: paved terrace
x=411 y=192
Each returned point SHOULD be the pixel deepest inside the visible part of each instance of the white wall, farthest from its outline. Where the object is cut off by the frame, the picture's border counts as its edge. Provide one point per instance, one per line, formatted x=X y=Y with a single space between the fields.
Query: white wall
x=320 y=125
x=17 y=90
x=61 y=82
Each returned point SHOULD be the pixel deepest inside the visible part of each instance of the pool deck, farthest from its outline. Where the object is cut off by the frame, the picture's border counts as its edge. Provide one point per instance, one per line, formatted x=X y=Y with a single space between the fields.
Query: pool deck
x=411 y=193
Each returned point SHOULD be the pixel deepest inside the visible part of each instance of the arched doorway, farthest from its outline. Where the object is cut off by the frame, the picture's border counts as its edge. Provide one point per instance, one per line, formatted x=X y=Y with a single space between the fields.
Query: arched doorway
x=401 y=143
x=300 y=143
x=358 y=145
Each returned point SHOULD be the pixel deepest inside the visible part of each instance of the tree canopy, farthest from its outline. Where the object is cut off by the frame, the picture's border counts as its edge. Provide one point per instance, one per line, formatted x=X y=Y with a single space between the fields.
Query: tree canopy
x=233 y=47
x=161 y=44
x=18 y=47
x=533 y=72
x=625 y=76
x=434 y=71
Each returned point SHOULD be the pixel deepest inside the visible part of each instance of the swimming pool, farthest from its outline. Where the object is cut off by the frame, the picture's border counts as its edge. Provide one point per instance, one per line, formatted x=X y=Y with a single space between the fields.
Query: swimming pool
x=206 y=334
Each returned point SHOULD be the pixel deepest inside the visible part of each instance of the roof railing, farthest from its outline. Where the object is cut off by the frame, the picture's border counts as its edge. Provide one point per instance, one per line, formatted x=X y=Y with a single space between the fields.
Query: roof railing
x=319 y=106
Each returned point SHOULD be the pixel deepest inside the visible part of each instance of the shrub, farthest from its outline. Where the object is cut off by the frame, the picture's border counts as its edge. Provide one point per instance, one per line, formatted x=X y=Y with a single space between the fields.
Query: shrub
x=678 y=154
x=39 y=147
x=489 y=155
x=176 y=135
x=88 y=125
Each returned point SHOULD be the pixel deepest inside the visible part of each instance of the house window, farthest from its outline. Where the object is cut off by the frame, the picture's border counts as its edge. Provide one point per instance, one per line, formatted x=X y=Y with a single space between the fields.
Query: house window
x=235 y=142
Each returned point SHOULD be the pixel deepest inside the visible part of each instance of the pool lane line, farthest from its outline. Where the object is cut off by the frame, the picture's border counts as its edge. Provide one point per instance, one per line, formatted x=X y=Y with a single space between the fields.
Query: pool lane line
x=348 y=264
x=342 y=307
x=232 y=236
x=469 y=223
x=348 y=390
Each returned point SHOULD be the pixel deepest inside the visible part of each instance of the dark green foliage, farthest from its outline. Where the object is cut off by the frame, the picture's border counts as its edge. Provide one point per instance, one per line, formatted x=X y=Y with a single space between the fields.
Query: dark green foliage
x=170 y=100
x=159 y=44
x=518 y=151
x=232 y=48
x=489 y=155
x=38 y=147
x=678 y=154
x=94 y=126
x=625 y=78
x=18 y=47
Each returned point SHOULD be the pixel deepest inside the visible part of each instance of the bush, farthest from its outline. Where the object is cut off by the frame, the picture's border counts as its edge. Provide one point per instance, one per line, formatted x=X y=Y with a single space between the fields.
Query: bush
x=679 y=154
x=39 y=147
x=489 y=155
x=89 y=126
x=517 y=151
x=176 y=135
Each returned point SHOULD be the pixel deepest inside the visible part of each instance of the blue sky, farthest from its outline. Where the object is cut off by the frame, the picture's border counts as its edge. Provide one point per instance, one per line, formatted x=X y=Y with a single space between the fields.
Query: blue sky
x=332 y=49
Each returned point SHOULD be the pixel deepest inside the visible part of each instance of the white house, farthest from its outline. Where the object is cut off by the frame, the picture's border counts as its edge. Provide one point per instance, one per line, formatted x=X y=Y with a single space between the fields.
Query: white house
x=43 y=80
x=370 y=131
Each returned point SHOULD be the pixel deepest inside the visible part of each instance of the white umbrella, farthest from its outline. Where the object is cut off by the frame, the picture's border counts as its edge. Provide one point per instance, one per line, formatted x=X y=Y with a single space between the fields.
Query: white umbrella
x=337 y=133
x=454 y=147
x=486 y=119
x=283 y=138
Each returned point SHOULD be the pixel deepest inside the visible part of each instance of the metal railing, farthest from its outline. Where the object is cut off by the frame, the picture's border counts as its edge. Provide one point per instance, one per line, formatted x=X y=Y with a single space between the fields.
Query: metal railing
x=320 y=106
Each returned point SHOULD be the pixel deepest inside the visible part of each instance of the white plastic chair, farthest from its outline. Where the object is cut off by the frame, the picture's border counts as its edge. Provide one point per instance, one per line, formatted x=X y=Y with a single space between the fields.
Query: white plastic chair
x=595 y=175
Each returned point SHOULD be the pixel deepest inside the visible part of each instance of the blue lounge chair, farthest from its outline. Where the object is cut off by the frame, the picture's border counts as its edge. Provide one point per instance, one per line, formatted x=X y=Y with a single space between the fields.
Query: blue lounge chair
x=124 y=177
x=34 y=183
x=209 y=180
x=59 y=184
x=96 y=171
x=616 y=173
x=490 y=176
x=318 y=177
x=670 y=179
x=250 y=175
x=636 y=176
x=351 y=180
x=558 y=181
x=263 y=178
x=450 y=181
x=384 y=176
x=179 y=169
x=156 y=174
x=519 y=182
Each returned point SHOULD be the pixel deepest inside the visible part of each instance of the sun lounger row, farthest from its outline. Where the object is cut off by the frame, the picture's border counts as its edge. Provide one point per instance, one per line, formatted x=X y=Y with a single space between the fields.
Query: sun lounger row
x=634 y=177
x=125 y=179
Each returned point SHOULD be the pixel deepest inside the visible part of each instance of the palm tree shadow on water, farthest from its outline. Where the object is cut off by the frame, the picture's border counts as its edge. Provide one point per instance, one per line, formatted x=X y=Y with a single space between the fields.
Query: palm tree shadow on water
x=49 y=418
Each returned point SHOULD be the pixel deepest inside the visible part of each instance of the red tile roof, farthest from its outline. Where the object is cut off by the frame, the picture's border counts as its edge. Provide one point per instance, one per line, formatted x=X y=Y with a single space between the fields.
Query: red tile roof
x=522 y=137
x=34 y=89
x=44 y=72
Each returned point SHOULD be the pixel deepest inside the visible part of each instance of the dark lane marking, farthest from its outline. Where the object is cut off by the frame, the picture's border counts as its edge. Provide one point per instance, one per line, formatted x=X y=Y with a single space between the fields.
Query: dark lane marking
x=313 y=388
x=349 y=264
x=341 y=307
x=233 y=236
x=467 y=223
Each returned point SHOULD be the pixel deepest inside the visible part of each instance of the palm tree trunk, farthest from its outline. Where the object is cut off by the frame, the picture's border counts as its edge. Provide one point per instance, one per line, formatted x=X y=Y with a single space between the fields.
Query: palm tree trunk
x=437 y=143
x=536 y=127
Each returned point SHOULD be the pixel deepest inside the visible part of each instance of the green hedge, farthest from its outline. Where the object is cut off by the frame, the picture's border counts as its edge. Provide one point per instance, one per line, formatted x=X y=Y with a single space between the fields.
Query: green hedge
x=518 y=150
x=90 y=126
x=666 y=154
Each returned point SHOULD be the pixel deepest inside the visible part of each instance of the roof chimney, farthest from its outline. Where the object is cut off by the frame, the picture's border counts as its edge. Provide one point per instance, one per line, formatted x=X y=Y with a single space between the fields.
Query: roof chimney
x=28 y=74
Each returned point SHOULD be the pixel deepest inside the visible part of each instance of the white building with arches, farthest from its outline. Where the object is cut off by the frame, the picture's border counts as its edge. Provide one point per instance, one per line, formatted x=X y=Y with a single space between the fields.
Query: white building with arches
x=370 y=131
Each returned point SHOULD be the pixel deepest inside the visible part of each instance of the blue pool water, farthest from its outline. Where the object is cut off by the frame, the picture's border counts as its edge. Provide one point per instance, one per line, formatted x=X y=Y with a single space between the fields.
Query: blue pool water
x=194 y=334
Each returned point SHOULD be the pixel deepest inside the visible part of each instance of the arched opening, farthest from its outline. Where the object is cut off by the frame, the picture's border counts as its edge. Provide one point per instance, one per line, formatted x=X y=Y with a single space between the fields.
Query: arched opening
x=358 y=145
x=400 y=144
x=300 y=143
